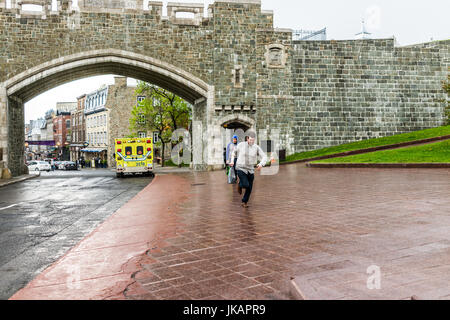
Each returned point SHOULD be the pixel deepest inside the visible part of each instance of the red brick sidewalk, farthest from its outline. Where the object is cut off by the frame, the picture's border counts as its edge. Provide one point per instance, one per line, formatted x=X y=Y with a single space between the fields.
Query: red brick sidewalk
x=101 y=266
x=326 y=226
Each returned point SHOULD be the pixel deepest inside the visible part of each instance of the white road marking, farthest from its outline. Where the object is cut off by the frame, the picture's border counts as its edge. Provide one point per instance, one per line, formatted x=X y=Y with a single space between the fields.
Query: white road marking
x=13 y=205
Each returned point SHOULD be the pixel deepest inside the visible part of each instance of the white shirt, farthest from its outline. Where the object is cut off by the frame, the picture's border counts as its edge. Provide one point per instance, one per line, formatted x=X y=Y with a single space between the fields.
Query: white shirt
x=247 y=157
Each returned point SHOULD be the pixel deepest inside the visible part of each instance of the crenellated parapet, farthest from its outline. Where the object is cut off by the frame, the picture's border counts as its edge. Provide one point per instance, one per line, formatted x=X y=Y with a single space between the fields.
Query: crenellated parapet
x=196 y=9
x=178 y=13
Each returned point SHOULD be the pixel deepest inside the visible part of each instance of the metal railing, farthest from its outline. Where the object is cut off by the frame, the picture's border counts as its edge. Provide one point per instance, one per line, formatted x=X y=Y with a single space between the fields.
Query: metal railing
x=309 y=34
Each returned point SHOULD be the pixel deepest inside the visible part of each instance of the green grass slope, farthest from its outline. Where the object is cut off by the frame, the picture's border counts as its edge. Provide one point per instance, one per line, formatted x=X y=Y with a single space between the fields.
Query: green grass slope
x=364 y=144
x=429 y=153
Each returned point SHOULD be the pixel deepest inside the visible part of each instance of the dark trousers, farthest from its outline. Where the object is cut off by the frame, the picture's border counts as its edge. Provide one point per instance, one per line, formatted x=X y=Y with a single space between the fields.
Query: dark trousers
x=246 y=182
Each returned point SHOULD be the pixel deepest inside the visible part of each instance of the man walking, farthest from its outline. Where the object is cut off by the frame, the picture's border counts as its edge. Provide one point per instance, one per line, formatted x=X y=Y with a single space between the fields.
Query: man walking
x=230 y=148
x=247 y=154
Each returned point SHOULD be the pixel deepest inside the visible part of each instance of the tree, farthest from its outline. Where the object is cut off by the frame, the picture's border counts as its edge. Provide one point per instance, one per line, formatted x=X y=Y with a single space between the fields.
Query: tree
x=160 y=111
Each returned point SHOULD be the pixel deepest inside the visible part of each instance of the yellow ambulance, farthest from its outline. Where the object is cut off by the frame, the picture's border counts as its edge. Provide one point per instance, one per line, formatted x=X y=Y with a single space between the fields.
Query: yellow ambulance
x=134 y=156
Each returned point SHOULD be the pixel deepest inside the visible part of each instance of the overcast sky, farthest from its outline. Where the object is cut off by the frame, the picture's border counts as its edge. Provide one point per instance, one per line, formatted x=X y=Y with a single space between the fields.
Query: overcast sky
x=409 y=21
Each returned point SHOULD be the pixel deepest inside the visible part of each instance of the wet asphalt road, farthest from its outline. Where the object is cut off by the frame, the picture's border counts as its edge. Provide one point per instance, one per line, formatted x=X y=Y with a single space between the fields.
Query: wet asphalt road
x=42 y=218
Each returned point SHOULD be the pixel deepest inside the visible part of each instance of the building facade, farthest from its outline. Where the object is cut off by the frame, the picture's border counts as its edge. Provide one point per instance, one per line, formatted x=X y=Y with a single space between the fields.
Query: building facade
x=78 y=129
x=36 y=130
x=49 y=133
x=120 y=102
x=62 y=129
x=96 y=116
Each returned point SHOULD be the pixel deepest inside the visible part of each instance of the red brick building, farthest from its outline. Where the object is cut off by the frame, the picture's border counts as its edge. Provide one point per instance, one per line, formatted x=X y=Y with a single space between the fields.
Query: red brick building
x=62 y=128
x=78 y=129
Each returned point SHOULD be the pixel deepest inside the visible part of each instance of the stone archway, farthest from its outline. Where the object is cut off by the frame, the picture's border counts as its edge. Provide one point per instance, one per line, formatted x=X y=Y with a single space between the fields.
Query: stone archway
x=235 y=124
x=238 y=121
x=17 y=90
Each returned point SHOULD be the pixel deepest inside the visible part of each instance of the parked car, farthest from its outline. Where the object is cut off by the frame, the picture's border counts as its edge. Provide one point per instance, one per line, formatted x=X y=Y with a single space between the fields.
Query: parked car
x=61 y=165
x=39 y=166
x=56 y=164
x=69 y=165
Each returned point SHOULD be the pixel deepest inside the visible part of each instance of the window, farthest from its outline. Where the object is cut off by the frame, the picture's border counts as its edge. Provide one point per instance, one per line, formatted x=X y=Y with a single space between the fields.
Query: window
x=141 y=118
x=68 y=124
x=140 y=98
x=140 y=150
x=237 y=79
x=128 y=151
x=142 y=134
x=155 y=137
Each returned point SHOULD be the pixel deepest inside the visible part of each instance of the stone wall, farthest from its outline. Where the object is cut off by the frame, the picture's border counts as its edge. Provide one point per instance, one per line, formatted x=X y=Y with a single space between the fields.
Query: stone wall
x=231 y=65
x=4 y=124
x=35 y=41
x=275 y=100
x=120 y=101
x=16 y=141
x=351 y=90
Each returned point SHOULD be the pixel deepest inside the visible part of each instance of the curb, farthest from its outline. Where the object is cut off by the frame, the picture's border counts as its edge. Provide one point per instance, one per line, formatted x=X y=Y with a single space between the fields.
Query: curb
x=379 y=165
x=368 y=150
x=295 y=291
x=18 y=179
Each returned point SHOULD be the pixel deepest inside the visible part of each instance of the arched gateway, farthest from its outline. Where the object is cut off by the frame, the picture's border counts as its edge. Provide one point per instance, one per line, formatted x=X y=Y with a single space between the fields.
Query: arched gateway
x=232 y=65
x=28 y=84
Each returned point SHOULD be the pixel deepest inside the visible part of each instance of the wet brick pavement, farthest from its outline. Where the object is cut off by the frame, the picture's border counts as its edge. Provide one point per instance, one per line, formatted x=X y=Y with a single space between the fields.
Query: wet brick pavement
x=325 y=226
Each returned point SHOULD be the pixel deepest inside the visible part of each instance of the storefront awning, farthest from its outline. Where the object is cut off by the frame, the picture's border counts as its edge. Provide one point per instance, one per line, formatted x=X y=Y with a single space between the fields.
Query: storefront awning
x=40 y=142
x=93 y=150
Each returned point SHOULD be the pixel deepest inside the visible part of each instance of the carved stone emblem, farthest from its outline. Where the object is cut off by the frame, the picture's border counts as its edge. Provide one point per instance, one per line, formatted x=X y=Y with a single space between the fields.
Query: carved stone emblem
x=275 y=56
